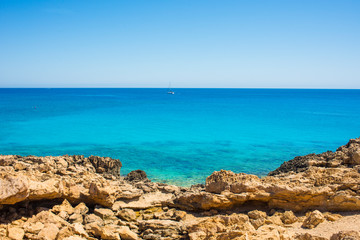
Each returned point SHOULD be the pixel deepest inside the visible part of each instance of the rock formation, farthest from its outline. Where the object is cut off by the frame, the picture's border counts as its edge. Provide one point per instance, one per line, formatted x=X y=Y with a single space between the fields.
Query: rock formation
x=328 y=181
x=73 y=197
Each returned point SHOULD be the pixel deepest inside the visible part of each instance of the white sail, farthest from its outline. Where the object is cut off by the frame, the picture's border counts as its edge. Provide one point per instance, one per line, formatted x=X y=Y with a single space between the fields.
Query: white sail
x=169 y=89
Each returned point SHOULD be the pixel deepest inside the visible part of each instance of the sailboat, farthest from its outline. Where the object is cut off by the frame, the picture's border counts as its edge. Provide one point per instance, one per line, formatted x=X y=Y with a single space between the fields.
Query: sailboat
x=169 y=90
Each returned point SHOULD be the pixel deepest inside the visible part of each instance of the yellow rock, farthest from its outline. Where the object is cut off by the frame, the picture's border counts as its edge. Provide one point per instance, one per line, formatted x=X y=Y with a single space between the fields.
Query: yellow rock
x=15 y=233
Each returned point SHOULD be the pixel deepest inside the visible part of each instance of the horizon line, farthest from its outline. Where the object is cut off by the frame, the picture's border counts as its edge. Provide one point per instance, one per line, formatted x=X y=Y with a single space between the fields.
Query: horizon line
x=285 y=88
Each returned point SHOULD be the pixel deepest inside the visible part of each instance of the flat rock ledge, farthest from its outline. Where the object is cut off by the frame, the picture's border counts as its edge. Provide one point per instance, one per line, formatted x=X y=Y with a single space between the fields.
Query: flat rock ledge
x=316 y=196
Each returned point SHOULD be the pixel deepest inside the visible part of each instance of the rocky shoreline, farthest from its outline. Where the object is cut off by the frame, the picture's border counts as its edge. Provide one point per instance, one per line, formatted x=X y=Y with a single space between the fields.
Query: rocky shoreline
x=316 y=196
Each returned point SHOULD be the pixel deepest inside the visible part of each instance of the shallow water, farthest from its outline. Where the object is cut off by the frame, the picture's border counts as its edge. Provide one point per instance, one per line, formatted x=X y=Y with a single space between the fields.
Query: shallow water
x=179 y=138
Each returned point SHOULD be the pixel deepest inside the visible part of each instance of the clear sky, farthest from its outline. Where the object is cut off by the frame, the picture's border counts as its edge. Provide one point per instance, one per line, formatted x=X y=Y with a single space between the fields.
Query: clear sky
x=192 y=43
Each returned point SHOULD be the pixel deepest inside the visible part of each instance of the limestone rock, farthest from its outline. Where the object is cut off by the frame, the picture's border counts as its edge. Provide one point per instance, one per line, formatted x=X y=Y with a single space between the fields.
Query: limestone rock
x=288 y=217
x=314 y=219
x=147 y=210
x=257 y=222
x=39 y=178
x=268 y=232
x=15 y=233
x=346 y=235
x=79 y=229
x=257 y=218
x=164 y=228
x=224 y=227
x=179 y=215
x=109 y=233
x=332 y=217
x=47 y=217
x=276 y=220
x=126 y=215
x=256 y=214
x=148 y=200
x=106 y=165
x=200 y=235
x=81 y=208
x=347 y=154
x=315 y=187
x=227 y=180
x=74 y=238
x=126 y=234
x=64 y=215
x=13 y=189
x=76 y=218
x=136 y=176
x=308 y=236
x=49 y=232
x=106 y=194
x=92 y=218
x=65 y=232
x=65 y=206
x=354 y=158
x=94 y=229
x=104 y=213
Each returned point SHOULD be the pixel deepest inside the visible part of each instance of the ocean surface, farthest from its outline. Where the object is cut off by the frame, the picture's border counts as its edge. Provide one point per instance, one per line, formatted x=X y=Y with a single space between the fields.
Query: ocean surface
x=180 y=138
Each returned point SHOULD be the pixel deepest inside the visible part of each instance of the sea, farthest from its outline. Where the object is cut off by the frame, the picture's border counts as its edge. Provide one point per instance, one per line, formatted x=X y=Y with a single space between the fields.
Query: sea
x=182 y=138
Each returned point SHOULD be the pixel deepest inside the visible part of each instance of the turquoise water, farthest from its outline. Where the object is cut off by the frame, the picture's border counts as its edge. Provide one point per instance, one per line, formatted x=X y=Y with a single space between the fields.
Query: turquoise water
x=179 y=138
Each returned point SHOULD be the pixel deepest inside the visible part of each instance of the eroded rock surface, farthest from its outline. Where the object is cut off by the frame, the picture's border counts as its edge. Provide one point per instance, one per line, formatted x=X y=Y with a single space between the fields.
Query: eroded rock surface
x=72 y=197
x=328 y=181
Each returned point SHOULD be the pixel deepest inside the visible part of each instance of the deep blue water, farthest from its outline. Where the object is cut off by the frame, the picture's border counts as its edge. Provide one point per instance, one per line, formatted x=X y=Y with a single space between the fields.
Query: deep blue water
x=179 y=138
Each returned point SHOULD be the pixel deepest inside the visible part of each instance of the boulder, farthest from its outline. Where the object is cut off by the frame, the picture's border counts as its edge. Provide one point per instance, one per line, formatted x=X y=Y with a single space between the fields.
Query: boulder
x=79 y=230
x=32 y=227
x=109 y=233
x=268 y=232
x=13 y=189
x=126 y=215
x=92 y=218
x=346 y=235
x=354 y=157
x=288 y=217
x=313 y=219
x=15 y=233
x=106 y=165
x=65 y=206
x=46 y=217
x=136 y=176
x=64 y=215
x=76 y=218
x=308 y=236
x=257 y=218
x=257 y=222
x=126 y=234
x=275 y=219
x=49 y=232
x=332 y=217
x=65 y=232
x=94 y=229
x=256 y=214
x=104 y=213
x=81 y=208
x=106 y=193
x=227 y=180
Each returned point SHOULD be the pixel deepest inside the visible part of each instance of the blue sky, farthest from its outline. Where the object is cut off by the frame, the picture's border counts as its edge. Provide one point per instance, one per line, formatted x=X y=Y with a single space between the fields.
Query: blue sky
x=202 y=43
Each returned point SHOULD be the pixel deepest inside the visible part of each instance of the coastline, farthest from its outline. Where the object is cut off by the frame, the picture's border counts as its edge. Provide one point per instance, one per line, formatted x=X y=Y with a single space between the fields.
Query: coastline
x=246 y=130
x=72 y=197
